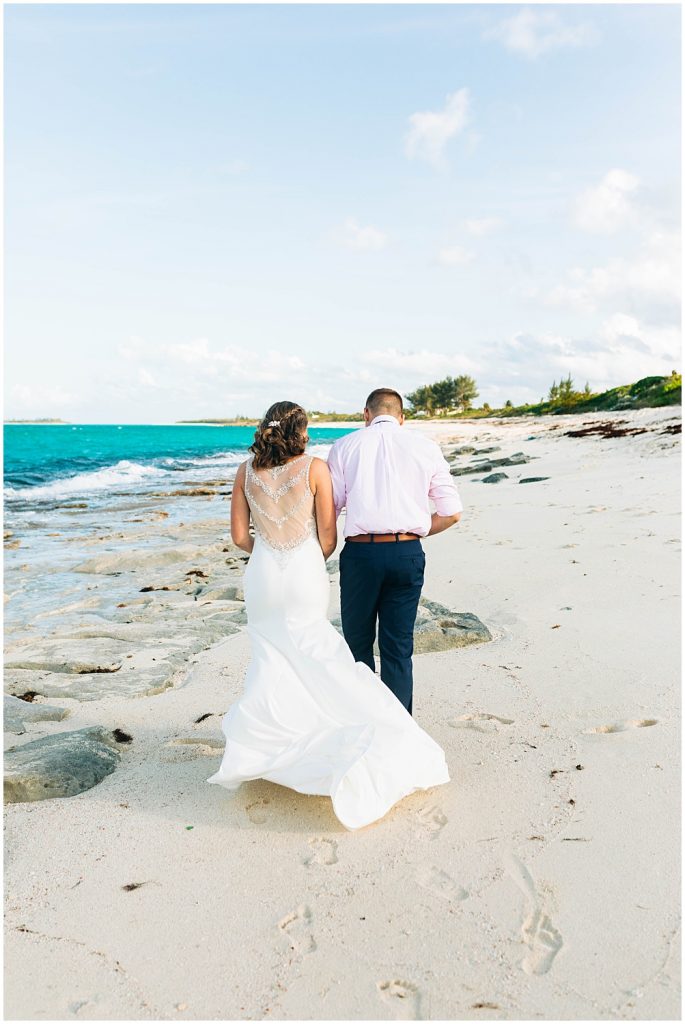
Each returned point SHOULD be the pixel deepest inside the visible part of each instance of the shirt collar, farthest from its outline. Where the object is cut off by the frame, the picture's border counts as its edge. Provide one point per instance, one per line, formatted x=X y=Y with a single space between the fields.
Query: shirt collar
x=384 y=418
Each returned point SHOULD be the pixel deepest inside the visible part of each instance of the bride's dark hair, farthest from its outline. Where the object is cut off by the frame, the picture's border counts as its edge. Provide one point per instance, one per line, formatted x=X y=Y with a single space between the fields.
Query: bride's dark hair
x=281 y=435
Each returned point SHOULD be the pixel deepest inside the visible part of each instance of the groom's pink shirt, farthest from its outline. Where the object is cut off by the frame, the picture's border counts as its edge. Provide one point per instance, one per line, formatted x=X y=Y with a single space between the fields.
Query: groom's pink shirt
x=386 y=476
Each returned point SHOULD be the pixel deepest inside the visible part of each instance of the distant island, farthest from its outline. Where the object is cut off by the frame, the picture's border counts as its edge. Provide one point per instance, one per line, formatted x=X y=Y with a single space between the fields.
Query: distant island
x=45 y=419
x=452 y=399
x=247 y=421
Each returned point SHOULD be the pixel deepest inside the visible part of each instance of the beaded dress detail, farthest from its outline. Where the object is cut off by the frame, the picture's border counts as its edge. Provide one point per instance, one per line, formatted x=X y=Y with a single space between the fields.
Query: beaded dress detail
x=310 y=717
x=283 y=515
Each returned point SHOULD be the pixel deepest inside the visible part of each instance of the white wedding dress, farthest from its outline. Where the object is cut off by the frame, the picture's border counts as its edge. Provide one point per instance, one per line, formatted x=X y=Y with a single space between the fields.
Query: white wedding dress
x=310 y=717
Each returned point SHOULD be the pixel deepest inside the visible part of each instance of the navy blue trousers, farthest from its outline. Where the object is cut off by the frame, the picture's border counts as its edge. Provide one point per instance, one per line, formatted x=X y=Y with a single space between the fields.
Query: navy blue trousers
x=380 y=587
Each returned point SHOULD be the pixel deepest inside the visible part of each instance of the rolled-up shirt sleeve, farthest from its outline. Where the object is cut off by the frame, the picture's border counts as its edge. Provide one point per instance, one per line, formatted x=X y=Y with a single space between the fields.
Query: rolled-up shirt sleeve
x=338 y=478
x=443 y=490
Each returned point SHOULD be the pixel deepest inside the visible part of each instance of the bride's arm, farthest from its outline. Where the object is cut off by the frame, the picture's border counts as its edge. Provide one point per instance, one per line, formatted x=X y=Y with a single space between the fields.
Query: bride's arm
x=240 y=513
x=324 y=506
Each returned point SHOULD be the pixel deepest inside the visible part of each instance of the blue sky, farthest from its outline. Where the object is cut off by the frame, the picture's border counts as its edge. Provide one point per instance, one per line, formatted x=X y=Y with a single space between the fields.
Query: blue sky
x=212 y=207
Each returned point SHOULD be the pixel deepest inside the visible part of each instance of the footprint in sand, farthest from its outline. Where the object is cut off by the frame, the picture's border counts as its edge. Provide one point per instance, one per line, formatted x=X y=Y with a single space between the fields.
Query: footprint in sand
x=543 y=941
x=627 y=723
x=431 y=821
x=187 y=748
x=324 y=851
x=539 y=934
x=481 y=722
x=404 y=998
x=296 y=927
x=440 y=883
x=198 y=741
x=256 y=810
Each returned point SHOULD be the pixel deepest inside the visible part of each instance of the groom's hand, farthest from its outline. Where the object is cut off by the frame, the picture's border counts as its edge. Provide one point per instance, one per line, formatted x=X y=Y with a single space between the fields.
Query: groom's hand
x=440 y=523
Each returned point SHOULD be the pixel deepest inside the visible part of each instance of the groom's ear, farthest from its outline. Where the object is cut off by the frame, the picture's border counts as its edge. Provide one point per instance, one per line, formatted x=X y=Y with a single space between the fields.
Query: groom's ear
x=367 y=415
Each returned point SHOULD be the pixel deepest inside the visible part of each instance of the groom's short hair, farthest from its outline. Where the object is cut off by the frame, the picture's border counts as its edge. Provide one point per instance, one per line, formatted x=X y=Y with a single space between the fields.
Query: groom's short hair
x=385 y=400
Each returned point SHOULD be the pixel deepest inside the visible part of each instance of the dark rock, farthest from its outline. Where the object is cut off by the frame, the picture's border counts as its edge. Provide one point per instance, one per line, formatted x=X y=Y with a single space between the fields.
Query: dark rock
x=532 y=479
x=57 y=766
x=494 y=478
x=517 y=459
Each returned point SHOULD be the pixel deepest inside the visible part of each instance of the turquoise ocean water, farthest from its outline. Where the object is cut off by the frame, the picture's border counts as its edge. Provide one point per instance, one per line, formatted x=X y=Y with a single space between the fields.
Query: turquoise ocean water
x=44 y=464
x=76 y=491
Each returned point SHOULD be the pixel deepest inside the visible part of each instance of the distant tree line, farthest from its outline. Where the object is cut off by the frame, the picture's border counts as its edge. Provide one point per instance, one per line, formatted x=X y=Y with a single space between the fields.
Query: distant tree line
x=565 y=393
x=453 y=394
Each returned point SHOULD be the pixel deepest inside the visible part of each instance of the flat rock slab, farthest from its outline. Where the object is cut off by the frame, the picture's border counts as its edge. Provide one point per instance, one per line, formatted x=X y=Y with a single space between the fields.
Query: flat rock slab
x=532 y=479
x=18 y=713
x=228 y=593
x=95 y=661
x=517 y=459
x=494 y=478
x=62 y=765
x=115 y=563
x=72 y=657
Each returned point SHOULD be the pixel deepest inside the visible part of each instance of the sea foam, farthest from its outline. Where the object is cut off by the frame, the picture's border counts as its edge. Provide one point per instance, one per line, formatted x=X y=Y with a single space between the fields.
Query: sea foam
x=122 y=473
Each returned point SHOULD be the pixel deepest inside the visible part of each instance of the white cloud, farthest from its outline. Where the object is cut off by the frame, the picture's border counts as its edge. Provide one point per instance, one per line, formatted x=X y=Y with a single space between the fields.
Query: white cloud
x=195 y=351
x=622 y=350
x=482 y=226
x=454 y=256
x=30 y=401
x=414 y=365
x=361 y=237
x=431 y=130
x=652 y=275
x=131 y=350
x=225 y=380
x=606 y=207
x=146 y=378
x=531 y=32
x=624 y=331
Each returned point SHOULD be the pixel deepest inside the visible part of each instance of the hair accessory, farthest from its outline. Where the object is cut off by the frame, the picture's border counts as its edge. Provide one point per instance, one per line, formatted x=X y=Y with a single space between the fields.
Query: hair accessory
x=274 y=423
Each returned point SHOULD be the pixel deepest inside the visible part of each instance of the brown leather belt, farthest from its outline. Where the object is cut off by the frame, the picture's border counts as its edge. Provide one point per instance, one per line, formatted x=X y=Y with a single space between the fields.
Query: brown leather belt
x=375 y=538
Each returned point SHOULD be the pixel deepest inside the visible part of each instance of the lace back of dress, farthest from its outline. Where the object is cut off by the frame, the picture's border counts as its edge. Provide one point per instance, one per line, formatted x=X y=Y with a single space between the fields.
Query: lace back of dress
x=281 y=502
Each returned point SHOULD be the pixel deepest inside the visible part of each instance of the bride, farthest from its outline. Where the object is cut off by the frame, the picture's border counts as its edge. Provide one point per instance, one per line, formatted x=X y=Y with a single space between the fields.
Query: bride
x=309 y=717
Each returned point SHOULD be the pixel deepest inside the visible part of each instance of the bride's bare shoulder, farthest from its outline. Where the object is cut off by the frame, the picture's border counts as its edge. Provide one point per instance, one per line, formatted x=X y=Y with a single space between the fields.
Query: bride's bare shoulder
x=319 y=465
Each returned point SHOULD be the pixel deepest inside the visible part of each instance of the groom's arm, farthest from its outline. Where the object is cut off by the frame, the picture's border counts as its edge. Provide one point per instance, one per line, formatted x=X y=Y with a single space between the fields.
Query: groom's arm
x=443 y=492
x=338 y=479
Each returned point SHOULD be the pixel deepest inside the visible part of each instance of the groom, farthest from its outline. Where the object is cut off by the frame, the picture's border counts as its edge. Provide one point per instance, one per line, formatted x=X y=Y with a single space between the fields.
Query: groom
x=385 y=476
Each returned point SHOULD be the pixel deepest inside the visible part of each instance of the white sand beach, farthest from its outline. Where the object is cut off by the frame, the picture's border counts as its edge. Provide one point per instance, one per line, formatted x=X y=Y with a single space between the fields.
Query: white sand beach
x=542 y=882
